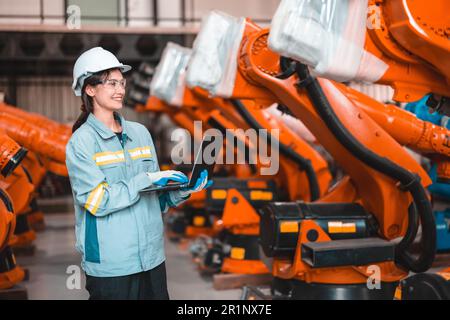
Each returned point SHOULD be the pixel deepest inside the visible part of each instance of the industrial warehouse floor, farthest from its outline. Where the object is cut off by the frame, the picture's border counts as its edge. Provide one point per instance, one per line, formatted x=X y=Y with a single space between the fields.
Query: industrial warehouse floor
x=51 y=267
x=55 y=259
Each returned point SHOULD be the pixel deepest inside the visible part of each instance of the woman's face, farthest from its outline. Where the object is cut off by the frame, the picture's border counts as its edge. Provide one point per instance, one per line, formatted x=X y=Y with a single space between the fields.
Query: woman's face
x=109 y=94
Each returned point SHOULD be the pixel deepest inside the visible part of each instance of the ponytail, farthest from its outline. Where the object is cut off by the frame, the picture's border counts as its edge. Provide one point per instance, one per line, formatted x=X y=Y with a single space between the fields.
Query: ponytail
x=87 y=102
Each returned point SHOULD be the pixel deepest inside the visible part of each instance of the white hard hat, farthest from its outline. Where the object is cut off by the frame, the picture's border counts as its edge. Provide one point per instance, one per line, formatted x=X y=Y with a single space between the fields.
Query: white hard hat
x=92 y=61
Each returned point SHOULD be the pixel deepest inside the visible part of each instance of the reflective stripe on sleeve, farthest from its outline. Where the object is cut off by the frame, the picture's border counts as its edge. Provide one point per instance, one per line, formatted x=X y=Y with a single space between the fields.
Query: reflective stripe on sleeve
x=95 y=198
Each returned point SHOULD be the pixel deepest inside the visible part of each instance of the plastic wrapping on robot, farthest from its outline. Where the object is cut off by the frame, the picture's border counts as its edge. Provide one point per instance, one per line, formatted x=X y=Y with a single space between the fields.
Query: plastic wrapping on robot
x=328 y=36
x=213 y=64
x=168 y=82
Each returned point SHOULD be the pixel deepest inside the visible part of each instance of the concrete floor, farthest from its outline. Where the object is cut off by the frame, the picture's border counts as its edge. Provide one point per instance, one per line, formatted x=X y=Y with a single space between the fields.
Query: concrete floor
x=56 y=253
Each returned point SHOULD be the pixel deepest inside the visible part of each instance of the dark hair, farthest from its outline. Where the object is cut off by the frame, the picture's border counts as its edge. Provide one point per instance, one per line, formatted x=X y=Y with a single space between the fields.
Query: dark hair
x=87 y=105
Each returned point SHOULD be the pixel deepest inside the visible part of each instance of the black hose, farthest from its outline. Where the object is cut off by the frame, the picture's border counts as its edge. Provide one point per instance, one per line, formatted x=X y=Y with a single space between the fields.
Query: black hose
x=287 y=66
x=27 y=173
x=284 y=110
x=411 y=232
x=408 y=180
x=217 y=125
x=303 y=163
x=6 y=200
x=15 y=160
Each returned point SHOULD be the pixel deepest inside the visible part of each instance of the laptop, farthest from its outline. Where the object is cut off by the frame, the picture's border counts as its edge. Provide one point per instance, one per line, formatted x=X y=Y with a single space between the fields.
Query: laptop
x=197 y=168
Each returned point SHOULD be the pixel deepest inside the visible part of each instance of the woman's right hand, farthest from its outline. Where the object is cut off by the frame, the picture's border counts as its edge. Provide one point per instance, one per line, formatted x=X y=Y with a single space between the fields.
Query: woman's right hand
x=161 y=178
x=201 y=183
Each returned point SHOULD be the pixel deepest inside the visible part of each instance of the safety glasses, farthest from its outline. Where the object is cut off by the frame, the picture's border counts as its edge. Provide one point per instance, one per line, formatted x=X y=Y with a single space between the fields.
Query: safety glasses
x=114 y=84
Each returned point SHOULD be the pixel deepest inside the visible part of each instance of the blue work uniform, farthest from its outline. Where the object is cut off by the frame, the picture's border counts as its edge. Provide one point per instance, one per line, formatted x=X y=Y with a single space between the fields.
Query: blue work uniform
x=119 y=230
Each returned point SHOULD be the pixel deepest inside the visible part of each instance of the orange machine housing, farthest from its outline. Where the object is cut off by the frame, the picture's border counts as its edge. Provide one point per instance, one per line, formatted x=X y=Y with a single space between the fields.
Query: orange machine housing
x=413 y=41
x=10 y=153
x=378 y=193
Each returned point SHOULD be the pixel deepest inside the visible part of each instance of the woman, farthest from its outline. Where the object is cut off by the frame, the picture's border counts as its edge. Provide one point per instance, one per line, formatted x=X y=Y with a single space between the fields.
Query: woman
x=119 y=230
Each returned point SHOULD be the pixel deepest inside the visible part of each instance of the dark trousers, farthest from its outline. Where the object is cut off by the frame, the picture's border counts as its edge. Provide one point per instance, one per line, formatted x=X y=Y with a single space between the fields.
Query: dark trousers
x=148 y=285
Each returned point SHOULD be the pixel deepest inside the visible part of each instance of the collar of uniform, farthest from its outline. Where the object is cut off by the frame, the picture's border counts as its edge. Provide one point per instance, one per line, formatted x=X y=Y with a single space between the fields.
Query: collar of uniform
x=123 y=124
x=104 y=131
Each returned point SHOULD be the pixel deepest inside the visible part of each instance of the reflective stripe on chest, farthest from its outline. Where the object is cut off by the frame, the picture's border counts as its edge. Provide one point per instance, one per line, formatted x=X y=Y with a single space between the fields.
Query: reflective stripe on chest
x=138 y=153
x=109 y=157
x=104 y=158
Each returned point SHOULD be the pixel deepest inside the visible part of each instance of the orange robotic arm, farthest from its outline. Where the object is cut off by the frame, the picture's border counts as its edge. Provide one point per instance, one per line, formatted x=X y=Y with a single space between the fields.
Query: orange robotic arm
x=7 y=220
x=42 y=140
x=212 y=113
x=185 y=118
x=376 y=190
x=11 y=154
x=382 y=176
x=35 y=168
x=15 y=193
x=411 y=33
x=38 y=120
x=258 y=69
x=295 y=152
x=19 y=188
x=292 y=147
x=404 y=126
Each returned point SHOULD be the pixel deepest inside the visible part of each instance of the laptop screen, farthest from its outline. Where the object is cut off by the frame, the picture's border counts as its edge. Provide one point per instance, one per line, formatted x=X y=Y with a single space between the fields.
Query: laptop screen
x=204 y=161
